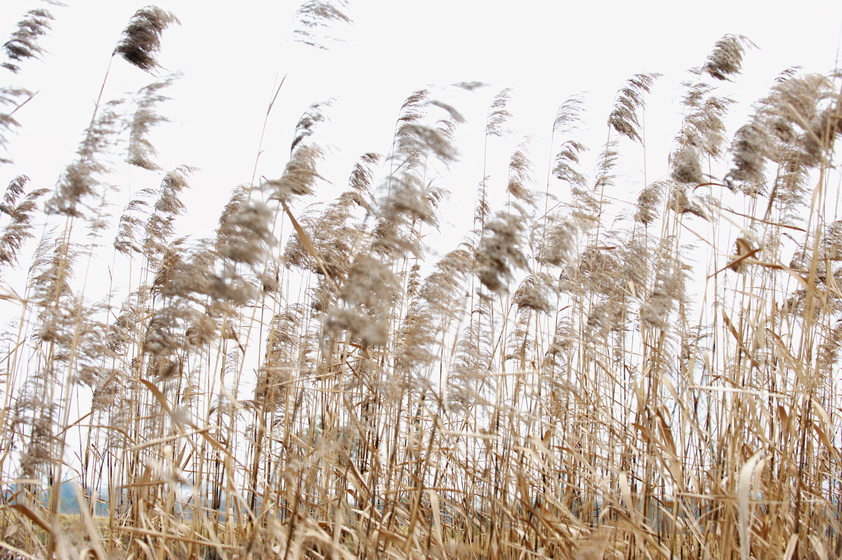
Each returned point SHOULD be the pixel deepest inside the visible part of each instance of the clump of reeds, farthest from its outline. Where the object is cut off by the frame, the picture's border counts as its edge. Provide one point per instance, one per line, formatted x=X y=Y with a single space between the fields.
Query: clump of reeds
x=570 y=379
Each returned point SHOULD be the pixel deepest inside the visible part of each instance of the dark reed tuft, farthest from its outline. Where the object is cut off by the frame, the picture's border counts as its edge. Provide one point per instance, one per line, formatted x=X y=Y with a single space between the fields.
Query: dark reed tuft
x=686 y=166
x=23 y=43
x=245 y=229
x=500 y=253
x=534 y=292
x=308 y=122
x=648 y=201
x=13 y=192
x=141 y=39
x=749 y=149
x=726 y=59
x=19 y=227
x=559 y=243
x=681 y=203
x=362 y=175
x=623 y=117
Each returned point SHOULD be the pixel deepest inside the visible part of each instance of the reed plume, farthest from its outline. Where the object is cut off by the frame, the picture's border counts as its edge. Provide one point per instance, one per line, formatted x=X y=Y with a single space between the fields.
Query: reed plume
x=19 y=227
x=10 y=96
x=141 y=40
x=314 y=19
x=623 y=118
x=500 y=253
x=83 y=179
x=23 y=43
x=300 y=175
x=141 y=152
x=726 y=59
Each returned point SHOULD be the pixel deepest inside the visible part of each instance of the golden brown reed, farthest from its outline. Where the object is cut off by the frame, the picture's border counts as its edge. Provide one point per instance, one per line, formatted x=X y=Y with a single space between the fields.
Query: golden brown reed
x=559 y=384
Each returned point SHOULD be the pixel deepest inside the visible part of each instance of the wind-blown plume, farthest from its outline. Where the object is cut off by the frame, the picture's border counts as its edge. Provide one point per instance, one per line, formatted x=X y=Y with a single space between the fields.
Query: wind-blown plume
x=789 y=127
x=161 y=223
x=366 y=299
x=500 y=252
x=520 y=174
x=244 y=231
x=668 y=290
x=534 y=292
x=623 y=117
x=363 y=174
x=726 y=59
x=141 y=151
x=81 y=179
x=566 y=159
x=336 y=233
x=19 y=229
x=10 y=97
x=499 y=114
x=300 y=175
x=410 y=196
x=314 y=19
x=126 y=240
x=648 y=201
x=701 y=135
x=23 y=43
x=141 y=39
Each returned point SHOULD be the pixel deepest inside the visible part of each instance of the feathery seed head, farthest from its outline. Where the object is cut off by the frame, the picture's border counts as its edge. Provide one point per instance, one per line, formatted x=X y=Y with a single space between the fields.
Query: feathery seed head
x=141 y=151
x=500 y=251
x=141 y=39
x=499 y=115
x=623 y=117
x=648 y=201
x=314 y=19
x=23 y=43
x=686 y=167
x=726 y=59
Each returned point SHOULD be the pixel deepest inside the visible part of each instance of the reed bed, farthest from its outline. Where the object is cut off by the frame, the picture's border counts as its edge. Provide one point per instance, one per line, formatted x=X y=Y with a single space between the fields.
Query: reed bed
x=568 y=380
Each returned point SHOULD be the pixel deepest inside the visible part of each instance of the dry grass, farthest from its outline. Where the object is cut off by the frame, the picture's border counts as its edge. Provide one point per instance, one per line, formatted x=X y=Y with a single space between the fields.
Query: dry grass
x=559 y=384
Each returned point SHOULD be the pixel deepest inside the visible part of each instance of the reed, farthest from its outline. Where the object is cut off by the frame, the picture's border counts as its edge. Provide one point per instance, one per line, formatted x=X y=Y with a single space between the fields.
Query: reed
x=602 y=368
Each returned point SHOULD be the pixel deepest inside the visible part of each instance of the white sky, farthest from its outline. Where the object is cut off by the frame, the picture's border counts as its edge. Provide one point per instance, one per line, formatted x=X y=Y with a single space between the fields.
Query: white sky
x=232 y=57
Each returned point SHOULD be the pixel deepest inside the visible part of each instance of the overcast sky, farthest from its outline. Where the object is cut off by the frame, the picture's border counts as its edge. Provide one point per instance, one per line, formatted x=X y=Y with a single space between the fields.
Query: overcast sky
x=233 y=55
